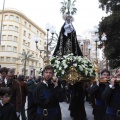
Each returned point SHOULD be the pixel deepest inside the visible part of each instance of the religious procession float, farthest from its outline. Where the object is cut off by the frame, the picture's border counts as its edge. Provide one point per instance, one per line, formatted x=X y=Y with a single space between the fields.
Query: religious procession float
x=68 y=61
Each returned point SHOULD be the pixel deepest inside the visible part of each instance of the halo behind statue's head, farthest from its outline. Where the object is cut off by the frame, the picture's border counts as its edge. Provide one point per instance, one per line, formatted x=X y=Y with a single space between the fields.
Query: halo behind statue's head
x=66 y=17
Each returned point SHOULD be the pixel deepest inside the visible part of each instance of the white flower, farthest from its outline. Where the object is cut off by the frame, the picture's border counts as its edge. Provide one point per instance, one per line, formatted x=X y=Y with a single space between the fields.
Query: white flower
x=75 y=64
x=82 y=65
x=65 y=66
x=60 y=68
x=86 y=72
x=63 y=72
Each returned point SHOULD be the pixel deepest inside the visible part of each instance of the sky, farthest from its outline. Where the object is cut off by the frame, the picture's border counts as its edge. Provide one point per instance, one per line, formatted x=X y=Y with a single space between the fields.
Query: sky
x=42 y=12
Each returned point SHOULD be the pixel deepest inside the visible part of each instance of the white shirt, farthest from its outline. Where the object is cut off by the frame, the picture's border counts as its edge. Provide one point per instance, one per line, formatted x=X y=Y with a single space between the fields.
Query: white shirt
x=68 y=28
x=45 y=83
x=5 y=80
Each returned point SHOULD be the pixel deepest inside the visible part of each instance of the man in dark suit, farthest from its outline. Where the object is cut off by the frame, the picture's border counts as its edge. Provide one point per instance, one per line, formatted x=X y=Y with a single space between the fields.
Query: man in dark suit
x=14 y=85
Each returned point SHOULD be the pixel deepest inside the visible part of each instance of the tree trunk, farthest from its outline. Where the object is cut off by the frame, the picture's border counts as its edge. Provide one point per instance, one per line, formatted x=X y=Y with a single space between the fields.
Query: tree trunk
x=25 y=69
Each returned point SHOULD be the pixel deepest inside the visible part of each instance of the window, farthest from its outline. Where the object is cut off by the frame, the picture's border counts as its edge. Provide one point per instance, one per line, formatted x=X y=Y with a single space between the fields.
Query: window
x=10 y=27
x=36 y=55
x=17 y=19
x=30 y=27
x=28 y=52
x=15 y=38
x=28 y=44
x=13 y=59
x=24 y=33
x=9 y=48
x=7 y=59
x=9 y=37
x=39 y=64
x=16 y=28
x=40 y=34
x=29 y=35
x=36 y=64
x=2 y=59
x=6 y=17
x=4 y=27
x=23 y=50
x=33 y=54
x=15 y=49
x=3 y=48
x=23 y=42
x=11 y=17
x=4 y=37
x=37 y=32
x=25 y=23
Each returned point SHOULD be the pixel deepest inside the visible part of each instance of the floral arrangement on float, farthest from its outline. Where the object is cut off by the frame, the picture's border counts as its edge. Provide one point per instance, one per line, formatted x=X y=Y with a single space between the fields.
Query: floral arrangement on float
x=82 y=67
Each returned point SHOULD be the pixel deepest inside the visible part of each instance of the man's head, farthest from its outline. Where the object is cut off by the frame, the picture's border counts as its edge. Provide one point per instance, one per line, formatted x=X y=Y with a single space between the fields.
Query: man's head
x=21 y=77
x=5 y=94
x=3 y=72
x=10 y=75
x=105 y=74
x=48 y=72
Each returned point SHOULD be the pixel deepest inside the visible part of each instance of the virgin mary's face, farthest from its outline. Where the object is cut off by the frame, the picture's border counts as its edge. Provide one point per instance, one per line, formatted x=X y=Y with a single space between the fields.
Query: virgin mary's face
x=68 y=21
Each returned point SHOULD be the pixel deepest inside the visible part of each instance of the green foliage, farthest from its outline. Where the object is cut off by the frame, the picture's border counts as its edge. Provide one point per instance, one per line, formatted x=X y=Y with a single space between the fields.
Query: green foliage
x=110 y=5
x=111 y=26
x=68 y=7
x=24 y=57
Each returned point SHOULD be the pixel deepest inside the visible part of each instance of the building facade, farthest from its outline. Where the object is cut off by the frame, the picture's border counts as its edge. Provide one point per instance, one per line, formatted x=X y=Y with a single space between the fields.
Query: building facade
x=18 y=33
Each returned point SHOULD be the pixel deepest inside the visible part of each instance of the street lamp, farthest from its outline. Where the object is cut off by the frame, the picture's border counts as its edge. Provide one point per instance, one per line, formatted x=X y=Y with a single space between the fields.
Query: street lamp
x=83 y=48
x=37 y=39
x=47 y=49
x=98 y=38
x=2 y=21
x=81 y=44
x=89 y=48
x=102 y=38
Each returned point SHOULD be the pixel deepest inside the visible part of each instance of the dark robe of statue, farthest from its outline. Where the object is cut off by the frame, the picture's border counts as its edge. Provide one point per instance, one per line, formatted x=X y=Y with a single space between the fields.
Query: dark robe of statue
x=77 y=105
x=67 y=42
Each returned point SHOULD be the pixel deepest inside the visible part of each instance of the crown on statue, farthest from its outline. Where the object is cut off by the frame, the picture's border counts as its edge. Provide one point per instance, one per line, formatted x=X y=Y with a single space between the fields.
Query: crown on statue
x=68 y=16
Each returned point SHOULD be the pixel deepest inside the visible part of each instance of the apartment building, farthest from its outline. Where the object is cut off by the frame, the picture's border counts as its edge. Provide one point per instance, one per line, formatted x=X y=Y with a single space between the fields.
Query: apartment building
x=18 y=34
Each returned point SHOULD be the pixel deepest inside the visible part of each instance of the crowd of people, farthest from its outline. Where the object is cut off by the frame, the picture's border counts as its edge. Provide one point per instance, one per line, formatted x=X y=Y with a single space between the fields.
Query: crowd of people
x=45 y=95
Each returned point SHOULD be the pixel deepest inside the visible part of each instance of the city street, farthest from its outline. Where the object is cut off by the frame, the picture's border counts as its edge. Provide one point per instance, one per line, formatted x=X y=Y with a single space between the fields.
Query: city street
x=66 y=115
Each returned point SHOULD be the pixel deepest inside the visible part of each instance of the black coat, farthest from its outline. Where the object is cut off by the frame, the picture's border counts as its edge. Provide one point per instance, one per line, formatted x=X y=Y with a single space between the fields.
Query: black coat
x=112 y=98
x=7 y=112
x=45 y=97
x=67 y=44
x=99 y=110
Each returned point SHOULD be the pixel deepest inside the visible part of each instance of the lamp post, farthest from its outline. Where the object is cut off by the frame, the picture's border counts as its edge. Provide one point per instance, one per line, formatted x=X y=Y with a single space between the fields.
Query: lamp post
x=89 y=48
x=37 y=39
x=46 y=49
x=81 y=44
x=102 y=38
x=2 y=21
x=83 y=48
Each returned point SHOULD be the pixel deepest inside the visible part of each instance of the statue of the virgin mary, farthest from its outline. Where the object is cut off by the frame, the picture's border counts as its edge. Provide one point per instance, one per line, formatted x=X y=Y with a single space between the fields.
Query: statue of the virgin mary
x=67 y=41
